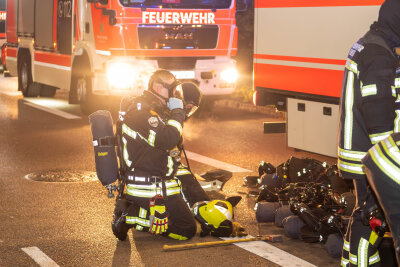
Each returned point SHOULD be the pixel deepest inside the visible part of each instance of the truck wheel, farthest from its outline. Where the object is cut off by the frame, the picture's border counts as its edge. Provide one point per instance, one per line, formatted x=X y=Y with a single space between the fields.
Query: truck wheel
x=47 y=91
x=25 y=75
x=83 y=86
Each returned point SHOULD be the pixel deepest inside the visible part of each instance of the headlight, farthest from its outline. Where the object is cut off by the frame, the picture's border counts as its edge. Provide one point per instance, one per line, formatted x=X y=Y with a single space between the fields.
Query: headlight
x=121 y=75
x=229 y=75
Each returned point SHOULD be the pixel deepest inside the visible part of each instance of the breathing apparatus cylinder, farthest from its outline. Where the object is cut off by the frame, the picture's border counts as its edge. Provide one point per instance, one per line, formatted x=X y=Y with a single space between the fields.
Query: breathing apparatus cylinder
x=105 y=156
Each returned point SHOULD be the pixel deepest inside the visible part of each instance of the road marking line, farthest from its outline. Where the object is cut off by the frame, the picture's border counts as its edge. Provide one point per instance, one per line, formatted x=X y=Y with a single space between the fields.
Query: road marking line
x=57 y=112
x=12 y=93
x=214 y=162
x=39 y=257
x=271 y=253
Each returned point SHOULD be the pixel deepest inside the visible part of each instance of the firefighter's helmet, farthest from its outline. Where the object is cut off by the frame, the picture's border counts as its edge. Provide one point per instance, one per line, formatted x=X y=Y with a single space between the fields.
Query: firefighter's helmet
x=168 y=81
x=216 y=216
x=389 y=21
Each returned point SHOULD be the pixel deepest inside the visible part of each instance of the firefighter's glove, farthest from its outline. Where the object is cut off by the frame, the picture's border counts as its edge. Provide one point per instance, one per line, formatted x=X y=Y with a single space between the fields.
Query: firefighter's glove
x=238 y=230
x=158 y=215
x=174 y=103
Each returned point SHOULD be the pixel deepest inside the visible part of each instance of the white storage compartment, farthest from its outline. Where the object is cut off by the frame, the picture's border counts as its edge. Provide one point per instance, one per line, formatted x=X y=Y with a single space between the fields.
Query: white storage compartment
x=312 y=126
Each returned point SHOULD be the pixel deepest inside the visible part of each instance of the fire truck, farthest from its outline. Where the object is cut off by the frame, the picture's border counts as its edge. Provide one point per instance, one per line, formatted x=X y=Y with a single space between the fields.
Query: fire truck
x=300 y=51
x=3 y=16
x=109 y=47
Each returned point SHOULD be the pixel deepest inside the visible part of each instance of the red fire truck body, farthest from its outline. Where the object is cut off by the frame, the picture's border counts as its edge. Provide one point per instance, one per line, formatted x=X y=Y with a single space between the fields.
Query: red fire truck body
x=300 y=51
x=109 y=47
x=3 y=16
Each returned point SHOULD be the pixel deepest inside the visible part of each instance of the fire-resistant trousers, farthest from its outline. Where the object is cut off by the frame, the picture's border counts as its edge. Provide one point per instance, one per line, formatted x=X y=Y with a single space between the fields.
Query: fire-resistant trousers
x=181 y=193
x=181 y=223
x=360 y=247
x=191 y=189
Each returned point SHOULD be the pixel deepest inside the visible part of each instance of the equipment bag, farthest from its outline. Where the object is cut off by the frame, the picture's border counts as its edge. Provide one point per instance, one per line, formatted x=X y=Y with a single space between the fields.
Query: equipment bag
x=105 y=156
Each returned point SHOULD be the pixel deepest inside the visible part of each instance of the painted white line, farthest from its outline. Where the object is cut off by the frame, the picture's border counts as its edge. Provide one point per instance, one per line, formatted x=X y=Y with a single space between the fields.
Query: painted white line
x=39 y=257
x=17 y=93
x=271 y=253
x=57 y=112
x=214 y=162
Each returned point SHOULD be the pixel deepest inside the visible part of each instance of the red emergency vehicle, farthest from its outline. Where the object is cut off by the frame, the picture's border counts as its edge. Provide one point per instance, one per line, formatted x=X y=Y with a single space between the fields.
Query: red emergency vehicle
x=300 y=51
x=109 y=47
x=3 y=16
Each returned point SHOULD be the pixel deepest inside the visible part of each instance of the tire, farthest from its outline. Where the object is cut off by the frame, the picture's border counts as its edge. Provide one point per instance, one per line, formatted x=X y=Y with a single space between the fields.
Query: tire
x=82 y=86
x=47 y=91
x=25 y=82
x=24 y=74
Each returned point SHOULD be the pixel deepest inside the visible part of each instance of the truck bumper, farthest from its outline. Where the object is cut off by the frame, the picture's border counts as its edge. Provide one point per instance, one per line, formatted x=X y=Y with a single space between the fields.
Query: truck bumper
x=206 y=74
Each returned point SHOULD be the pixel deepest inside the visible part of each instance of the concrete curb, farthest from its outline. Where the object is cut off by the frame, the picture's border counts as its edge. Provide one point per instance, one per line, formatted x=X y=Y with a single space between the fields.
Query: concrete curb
x=266 y=110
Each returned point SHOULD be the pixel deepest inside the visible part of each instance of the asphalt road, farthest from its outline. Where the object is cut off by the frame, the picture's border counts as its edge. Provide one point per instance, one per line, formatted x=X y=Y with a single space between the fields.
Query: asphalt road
x=68 y=223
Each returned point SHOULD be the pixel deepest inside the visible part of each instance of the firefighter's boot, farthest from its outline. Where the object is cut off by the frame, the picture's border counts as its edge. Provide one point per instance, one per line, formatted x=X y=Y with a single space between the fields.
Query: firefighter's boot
x=118 y=225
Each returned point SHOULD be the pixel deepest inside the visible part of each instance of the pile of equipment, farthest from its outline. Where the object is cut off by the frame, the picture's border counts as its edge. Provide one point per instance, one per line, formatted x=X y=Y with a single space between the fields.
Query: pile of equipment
x=306 y=197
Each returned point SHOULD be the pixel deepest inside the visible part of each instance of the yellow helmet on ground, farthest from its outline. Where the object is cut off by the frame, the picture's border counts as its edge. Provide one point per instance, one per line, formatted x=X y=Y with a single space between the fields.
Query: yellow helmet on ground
x=216 y=216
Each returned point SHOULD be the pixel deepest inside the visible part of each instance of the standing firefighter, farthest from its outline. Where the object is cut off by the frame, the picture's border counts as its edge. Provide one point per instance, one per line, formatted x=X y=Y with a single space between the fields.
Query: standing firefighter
x=367 y=116
x=156 y=190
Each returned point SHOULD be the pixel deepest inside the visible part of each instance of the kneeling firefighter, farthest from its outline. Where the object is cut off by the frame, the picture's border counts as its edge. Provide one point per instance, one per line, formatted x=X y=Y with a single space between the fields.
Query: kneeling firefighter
x=156 y=191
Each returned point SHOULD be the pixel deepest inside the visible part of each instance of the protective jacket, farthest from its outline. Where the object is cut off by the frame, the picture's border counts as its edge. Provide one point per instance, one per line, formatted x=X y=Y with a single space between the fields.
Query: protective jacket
x=149 y=133
x=367 y=116
x=382 y=165
x=367 y=105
